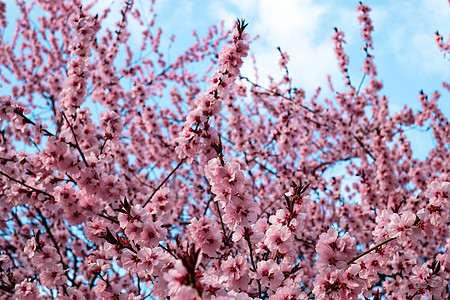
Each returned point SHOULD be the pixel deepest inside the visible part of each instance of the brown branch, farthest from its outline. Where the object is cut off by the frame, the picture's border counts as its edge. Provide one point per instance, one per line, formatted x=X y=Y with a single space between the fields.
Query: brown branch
x=47 y=228
x=27 y=186
x=364 y=147
x=163 y=182
x=112 y=219
x=370 y=250
x=28 y=121
x=76 y=141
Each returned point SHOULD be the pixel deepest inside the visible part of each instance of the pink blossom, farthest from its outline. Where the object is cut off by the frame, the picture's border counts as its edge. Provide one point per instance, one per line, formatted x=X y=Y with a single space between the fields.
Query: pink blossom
x=439 y=194
x=364 y=19
x=148 y=259
x=98 y=266
x=338 y=285
x=186 y=293
x=400 y=226
x=152 y=233
x=283 y=60
x=279 y=238
x=242 y=210
x=269 y=273
x=334 y=251
x=53 y=276
x=439 y=205
x=31 y=247
x=235 y=270
x=205 y=234
x=130 y=261
x=26 y=290
x=46 y=257
x=111 y=124
x=176 y=278
x=75 y=294
x=288 y=292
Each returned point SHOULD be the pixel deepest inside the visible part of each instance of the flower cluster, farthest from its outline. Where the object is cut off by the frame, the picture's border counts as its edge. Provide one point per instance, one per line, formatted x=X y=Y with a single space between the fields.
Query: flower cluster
x=443 y=46
x=75 y=86
x=367 y=28
x=228 y=185
x=111 y=124
x=437 y=209
x=209 y=103
x=14 y=113
x=205 y=234
x=342 y=58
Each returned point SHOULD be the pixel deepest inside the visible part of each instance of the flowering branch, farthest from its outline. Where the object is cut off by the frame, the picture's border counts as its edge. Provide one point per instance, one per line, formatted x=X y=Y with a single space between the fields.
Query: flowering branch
x=77 y=146
x=163 y=182
x=27 y=186
x=370 y=250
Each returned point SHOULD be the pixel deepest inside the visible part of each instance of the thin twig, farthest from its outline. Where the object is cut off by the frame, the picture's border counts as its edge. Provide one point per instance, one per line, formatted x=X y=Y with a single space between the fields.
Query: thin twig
x=364 y=147
x=27 y=186
x=76 y=141
x=360 y=84
x=163 y=182
x=370 y=250
x=58 y=250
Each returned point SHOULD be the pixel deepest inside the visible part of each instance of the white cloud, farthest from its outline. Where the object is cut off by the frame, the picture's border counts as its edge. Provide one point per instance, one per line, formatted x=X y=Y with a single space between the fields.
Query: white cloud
x=409 y=30
x=403 y=34
x=295 y=26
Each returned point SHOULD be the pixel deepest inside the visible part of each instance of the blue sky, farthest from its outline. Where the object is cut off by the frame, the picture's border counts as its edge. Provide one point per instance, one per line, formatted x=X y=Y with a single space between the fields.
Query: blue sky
x=406 y=55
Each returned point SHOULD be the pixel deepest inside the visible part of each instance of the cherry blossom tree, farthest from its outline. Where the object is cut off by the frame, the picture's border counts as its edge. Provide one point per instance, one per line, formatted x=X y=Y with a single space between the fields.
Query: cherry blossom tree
x=126 y=176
